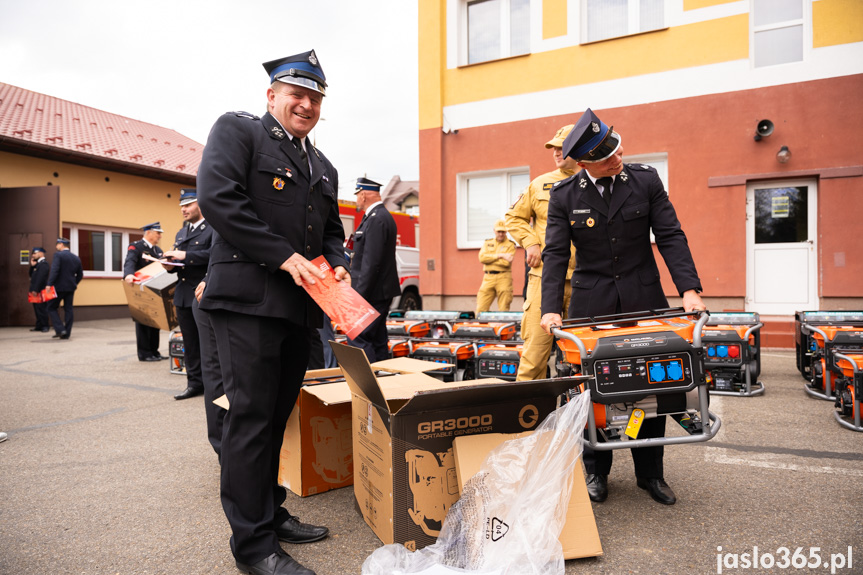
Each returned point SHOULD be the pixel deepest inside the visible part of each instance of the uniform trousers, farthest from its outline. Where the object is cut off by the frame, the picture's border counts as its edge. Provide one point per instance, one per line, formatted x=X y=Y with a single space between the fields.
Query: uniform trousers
x=148 y=340
x=373 y=340
x=191 y=347
x=211 y=376
x=263 y=361
x=494 y=285
x=537 y=344
x=41 y=311
x=68 y=299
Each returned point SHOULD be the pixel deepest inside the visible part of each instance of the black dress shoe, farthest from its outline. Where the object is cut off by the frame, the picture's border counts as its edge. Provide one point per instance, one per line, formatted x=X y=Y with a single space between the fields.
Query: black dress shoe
x=45 y=330
x=60 y=335
x=64 y=335
x=36 y=329
x=279 y=563
x=658 y=489
x=597 y=487
x=149 y=358
x=293 y=531
x=189 y=392
x=161 y=357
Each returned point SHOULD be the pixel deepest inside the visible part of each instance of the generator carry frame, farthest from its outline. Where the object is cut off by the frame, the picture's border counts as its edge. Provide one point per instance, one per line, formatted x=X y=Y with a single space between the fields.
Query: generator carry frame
x=641 y=362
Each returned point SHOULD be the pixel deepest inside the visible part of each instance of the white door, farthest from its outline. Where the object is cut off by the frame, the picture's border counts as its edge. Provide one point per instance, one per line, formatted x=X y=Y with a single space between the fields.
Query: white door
x=781 y=266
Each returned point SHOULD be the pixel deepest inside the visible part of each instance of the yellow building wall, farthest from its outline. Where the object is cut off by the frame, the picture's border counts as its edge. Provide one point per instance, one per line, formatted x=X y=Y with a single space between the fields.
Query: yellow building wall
x=97 y=197
x=836 y=22
x=431 y=34
x=699 y=44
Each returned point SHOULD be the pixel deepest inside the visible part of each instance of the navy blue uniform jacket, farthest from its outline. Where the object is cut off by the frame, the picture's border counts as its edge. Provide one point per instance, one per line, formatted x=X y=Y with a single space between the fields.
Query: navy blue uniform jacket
x=614 y=256
x=265 y=205
x=66 y=272
x=373 y=267
x=134 y=256
x=39 y=276
x=196 y=244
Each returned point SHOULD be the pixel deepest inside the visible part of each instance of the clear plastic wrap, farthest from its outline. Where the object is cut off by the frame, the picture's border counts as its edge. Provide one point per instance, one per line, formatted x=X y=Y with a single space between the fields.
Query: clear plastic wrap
x=510 y=514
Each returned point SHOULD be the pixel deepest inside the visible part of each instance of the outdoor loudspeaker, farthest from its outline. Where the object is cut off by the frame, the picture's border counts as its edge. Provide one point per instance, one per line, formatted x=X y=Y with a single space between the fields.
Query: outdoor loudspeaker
x=763 y=129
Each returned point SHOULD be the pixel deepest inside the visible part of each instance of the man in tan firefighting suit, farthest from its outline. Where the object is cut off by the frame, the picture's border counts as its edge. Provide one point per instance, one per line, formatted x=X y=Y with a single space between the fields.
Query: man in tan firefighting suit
x=533 y=204
x=496 y=256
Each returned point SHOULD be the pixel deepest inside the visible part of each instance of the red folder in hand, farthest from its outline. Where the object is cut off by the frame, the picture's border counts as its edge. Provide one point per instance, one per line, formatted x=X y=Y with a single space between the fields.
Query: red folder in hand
x=49 y=293
x=340 y=301
x=34 y=297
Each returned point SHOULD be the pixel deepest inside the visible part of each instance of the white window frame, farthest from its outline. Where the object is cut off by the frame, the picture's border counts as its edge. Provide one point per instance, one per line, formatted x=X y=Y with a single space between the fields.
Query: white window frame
x=633 y=21
x=505 y=36
x=805 y=22
x=659 y=162
x=124 y=246
x=506 y=198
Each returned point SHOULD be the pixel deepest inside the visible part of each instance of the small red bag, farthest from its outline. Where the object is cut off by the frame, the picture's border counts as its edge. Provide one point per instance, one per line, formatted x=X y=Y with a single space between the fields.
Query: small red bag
x=31 y=298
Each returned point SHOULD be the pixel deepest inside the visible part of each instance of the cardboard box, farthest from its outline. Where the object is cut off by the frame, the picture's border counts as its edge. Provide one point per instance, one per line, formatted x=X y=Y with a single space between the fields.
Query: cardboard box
x=579 y=537
x=151 y=302
x=403 y=429
x=317 y=451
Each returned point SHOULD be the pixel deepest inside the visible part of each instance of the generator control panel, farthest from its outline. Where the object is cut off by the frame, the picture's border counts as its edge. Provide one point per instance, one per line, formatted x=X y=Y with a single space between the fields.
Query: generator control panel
x=651 y=374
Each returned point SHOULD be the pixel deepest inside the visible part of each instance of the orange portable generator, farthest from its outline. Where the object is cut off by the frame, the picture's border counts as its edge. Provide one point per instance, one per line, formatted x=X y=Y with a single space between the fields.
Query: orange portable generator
x=849 y=386
x=487 y=330
x=640 y=365
x=732 y=353
x=498 y=359
x=177 y=352
x=819 y=331
x=458 y=354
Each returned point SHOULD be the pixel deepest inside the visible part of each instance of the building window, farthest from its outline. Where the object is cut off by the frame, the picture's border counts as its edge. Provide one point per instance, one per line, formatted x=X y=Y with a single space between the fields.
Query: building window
x=604 y=19
x=497 y=29
x=483 y=198
x=102 y=250
x=777 y=32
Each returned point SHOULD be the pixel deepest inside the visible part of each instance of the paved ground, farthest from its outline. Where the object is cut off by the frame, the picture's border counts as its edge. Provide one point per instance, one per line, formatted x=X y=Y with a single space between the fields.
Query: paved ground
x=105 y=473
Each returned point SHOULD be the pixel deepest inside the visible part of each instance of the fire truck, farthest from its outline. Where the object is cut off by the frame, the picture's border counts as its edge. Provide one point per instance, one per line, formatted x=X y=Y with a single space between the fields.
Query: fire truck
x=407 y=251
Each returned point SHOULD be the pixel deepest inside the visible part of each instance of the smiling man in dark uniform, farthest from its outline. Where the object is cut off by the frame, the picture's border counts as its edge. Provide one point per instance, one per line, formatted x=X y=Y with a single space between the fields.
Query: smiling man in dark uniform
x=147 y=337
x=373 y=266
x=192 y=249
x=271 y=198
x=607 y=211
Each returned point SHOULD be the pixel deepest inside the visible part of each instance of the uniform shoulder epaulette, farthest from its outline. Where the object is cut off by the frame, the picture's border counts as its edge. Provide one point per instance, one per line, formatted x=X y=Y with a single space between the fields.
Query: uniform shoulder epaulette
x=559 y=183
x=639 y=167
x=246 y=115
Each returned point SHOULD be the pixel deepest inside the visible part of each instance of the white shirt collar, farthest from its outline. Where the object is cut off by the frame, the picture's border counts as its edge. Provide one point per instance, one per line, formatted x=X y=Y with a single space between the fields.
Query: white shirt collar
x=592 y=179
x=193 y=227
x=373 y=206
x=149 y=245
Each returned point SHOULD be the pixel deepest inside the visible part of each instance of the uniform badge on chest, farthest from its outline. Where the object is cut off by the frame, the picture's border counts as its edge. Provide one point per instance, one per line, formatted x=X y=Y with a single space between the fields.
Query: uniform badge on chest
x=278 y=183
x=590 y=222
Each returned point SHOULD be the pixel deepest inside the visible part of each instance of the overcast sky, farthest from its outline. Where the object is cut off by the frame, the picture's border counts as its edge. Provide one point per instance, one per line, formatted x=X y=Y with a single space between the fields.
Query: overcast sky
x=182 y=63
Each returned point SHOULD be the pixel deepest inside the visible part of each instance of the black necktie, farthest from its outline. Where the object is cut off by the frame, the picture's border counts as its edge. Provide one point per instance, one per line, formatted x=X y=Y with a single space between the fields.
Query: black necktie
x=300 y=148
x=606 y=186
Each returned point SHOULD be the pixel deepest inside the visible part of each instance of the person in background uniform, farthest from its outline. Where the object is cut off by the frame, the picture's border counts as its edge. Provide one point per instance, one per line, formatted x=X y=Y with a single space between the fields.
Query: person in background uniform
x=39 y=270
x=533 y=205
x=373 y=266
x=607 y=212
x=146 y=336
x=192 y=249
x=496 y=256
x=271 y=198
x=66 y=273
